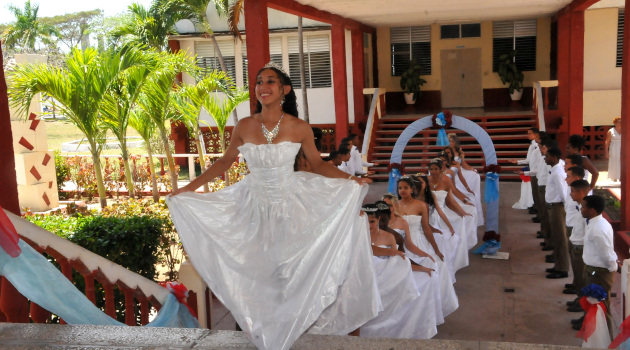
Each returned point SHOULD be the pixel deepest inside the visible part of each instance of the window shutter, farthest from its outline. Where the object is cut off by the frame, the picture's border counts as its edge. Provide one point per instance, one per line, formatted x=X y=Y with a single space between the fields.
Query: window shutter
x=620 y=24
x=410 y=43
x=517 y=35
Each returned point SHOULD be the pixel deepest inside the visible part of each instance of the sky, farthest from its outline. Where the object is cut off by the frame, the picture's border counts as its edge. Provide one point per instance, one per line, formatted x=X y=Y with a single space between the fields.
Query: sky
x=49 y=8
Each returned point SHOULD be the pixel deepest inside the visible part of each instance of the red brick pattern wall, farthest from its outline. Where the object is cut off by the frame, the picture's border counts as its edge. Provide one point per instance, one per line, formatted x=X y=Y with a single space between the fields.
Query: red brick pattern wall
x=595 y=140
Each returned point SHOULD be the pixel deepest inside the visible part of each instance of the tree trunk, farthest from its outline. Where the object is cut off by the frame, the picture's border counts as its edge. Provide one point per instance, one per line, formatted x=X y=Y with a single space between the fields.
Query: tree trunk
x=169 y=158
x=102 y=196
x=202 y=160
x=154 y=188
x=223 y=68
x=222 y=143
x=302 y=69
x=128 y=175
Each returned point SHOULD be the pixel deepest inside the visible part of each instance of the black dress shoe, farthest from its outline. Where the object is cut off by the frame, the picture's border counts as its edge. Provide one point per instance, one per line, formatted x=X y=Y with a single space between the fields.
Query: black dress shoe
x=569 y=285
x=569 y=291
x=542 y=244
x=558 y=274
x=533 y=211
x=547 y=248
x=540 y=236
x=577 y=326
x=550 y=260
x=551 y=270
x=577 y=320
x=575 y=308
x=536 y=220
x=574 y=301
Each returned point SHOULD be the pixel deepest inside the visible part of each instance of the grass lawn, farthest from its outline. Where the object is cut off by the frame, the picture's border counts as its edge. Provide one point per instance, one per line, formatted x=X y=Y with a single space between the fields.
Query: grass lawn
x=61 y=131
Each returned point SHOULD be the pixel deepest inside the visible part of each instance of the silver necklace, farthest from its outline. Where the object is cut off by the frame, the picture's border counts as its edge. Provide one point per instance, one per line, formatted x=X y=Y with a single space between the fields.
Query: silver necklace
x=270 y=135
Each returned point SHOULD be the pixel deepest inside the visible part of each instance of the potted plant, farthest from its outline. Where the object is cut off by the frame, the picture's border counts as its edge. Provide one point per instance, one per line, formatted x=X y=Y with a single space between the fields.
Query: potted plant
x=511 y=75
x=411 y=82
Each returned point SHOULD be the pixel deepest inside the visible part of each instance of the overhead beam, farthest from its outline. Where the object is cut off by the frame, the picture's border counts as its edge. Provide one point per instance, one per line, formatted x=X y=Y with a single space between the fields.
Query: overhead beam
x=575 y=5
x=295 y=8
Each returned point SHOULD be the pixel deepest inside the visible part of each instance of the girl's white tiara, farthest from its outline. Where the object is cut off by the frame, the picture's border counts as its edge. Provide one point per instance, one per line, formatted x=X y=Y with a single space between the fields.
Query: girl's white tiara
x=274 y=65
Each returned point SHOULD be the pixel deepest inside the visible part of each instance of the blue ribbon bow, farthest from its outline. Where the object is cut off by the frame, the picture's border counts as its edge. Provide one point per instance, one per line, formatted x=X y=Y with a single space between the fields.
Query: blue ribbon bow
x=491 y=191
x=394 y=175
x=442 y=138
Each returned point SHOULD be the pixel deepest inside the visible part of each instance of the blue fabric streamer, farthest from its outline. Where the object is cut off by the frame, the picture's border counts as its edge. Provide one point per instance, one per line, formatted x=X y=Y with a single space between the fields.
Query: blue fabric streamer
x=442 y=139
x=42 y=283
x=394 y=176
x=490 y=247
x=491 y=190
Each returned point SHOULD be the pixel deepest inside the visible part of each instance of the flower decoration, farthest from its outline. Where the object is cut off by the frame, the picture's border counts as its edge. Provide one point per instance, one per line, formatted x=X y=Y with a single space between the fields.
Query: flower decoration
x=594 y=291
x=442 y=120
x=492 y=168
x=180 y=292
x=400 y=167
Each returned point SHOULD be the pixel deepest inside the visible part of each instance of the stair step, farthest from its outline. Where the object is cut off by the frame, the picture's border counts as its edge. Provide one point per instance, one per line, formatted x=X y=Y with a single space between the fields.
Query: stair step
x=519 y=131
x=469 y=154
x=523 y=123
x=461 y=139
x=465 y=147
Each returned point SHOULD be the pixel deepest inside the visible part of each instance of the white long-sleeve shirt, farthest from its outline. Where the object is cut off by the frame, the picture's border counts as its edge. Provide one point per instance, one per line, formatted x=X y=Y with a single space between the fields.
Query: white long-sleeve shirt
x=599 y=250
x=530 y=152
x=357 y=163
x=345 y=168
x=579 y=226
x=534 y=163
x=556 y=185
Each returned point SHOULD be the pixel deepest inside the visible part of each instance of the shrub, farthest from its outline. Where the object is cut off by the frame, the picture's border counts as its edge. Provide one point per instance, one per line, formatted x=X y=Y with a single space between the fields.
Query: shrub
x=62 y=170
x=132 y=242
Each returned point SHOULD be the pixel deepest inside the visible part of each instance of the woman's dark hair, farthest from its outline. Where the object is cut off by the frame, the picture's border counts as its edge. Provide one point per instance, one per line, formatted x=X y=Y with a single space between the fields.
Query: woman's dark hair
x=289 y=105
x=318 y=134
x=436 y=161
x=409 y=182
x=450 y=156
x=445 y=156
x=428 y=196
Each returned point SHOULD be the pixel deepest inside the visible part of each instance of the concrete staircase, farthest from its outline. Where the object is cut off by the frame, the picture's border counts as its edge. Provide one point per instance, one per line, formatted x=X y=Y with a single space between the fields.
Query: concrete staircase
x=507 y=131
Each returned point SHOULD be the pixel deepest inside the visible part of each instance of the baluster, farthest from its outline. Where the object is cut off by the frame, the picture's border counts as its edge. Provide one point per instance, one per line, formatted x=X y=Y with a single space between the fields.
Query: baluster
x=546 y=102
x=191 y=300
x=13 y=304
x=130 y=307
x=110 y=308
x=144 y=310
x=39 y=314
x=89 y=287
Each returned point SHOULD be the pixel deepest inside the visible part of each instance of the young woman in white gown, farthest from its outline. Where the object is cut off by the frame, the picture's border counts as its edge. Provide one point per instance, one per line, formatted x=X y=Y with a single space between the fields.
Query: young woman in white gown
x=442 y=190
x=415 y=213
x=284 y=251
x=408 y=312
x=470 y=174
x=613 y=150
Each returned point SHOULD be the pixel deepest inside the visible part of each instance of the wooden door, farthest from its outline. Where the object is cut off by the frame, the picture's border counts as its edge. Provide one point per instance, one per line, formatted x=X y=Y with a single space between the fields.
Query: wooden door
x=461 y=78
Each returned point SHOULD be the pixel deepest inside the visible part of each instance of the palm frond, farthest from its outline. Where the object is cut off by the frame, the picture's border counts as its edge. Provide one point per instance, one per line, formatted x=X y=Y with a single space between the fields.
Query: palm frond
x=234 y=17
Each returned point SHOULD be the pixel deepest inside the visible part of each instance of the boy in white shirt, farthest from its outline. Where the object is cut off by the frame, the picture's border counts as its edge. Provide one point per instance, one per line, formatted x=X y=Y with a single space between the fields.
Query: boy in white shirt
x=345 y=157
x=356 y=159
x=555 y=193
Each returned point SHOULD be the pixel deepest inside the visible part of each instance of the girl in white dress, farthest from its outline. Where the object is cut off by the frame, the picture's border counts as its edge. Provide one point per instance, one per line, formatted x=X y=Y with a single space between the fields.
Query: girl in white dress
x=470 y=174
x=407 y=311
x=442 y=189
x=415 y=213
x=613 y=150
x=284 y=251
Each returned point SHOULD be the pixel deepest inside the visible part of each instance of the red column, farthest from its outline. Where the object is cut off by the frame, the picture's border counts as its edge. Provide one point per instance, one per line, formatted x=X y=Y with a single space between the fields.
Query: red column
x=257 y=31
x=340 y=80
x=564 y=24
x=625 y=128
x=576 y=72
x=358 y=66
x=8 y=182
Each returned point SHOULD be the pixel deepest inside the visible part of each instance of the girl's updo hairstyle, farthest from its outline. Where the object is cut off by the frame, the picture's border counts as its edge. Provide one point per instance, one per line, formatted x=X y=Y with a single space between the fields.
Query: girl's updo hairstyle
x=445 y=156
x=289 y=106
x=409 y=182
x=436 y=161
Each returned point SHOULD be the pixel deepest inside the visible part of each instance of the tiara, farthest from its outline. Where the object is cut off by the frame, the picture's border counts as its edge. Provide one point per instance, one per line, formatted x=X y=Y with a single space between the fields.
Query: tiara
x=421 y=174
x=276 y=66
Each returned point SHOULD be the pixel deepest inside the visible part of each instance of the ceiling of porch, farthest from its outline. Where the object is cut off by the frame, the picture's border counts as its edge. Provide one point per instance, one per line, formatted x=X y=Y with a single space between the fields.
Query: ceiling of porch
x=415 y=12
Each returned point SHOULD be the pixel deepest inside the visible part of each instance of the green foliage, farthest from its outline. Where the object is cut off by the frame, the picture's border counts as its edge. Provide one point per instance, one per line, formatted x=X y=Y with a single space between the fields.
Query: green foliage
x=62 y=169
x=71 y=28
x=62 y=226
x=27 y=30
x=410 y=80
x=132 y=242
x=509 y=72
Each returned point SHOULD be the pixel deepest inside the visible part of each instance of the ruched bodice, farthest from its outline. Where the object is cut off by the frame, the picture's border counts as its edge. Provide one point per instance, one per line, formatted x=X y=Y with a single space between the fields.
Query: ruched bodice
x=271 y=167
x=440 y=195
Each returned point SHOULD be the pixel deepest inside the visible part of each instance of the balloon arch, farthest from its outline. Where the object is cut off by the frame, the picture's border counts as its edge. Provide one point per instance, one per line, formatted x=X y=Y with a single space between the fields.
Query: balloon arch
x=490 y=155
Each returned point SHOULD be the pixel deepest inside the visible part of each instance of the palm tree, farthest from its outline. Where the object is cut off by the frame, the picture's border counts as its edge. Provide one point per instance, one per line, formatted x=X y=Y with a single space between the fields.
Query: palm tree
x=27 y=29
x=79 y=89
x=190 y=100
x=118 y=105
x=150 y=27
x=155 y=100
x=146 y=128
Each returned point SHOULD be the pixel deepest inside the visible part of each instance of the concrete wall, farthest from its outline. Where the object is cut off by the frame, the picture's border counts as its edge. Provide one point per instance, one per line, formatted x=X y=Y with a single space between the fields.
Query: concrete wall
x=602 y=79
x=489 y=80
